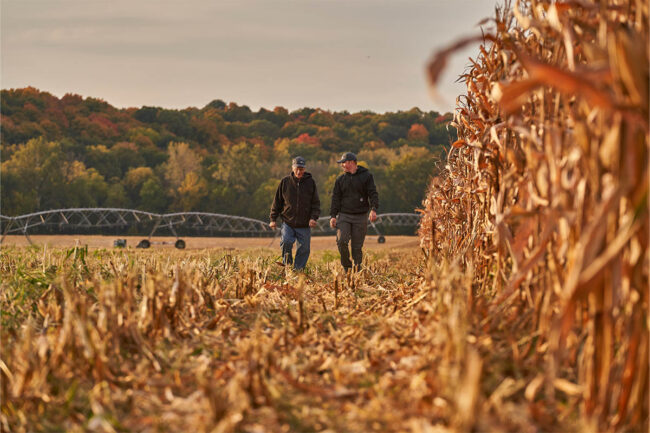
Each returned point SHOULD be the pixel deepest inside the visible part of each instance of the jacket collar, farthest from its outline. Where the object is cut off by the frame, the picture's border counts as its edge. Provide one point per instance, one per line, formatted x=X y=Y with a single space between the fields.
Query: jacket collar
x=360 y=170
x=294 y=179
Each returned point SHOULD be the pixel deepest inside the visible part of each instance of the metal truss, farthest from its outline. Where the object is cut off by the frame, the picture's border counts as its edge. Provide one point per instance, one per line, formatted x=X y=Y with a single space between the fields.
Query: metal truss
x=123 y=218
x=213 y=221
x=77 y=217
x=385 y=220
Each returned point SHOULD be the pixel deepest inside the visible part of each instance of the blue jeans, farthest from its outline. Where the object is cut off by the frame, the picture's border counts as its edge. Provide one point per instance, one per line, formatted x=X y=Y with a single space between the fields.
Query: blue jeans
x=289 y=236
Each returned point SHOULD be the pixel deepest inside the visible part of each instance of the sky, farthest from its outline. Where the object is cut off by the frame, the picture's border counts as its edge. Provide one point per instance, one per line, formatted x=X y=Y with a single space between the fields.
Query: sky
x=335 y=55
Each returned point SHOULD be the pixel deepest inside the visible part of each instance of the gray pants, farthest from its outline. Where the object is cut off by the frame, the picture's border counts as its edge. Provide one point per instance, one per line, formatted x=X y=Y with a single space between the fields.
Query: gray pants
x=351 y=227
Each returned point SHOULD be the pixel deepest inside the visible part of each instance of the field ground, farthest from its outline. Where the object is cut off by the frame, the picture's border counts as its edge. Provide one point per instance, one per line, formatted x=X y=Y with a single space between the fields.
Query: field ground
x=224 y=340
x=318 y=243
x=220 y=340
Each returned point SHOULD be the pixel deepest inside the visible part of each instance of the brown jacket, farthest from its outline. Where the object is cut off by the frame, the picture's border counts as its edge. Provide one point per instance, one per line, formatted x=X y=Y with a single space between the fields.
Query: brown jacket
x=296 y=201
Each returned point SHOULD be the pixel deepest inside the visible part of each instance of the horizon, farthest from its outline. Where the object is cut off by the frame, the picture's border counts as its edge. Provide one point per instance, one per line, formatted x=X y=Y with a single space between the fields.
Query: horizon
x=225 y=101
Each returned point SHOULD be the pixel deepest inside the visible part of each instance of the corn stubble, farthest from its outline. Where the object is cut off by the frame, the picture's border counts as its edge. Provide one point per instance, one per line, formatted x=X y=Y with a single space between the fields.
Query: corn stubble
x=544 y=201
x=211 y=341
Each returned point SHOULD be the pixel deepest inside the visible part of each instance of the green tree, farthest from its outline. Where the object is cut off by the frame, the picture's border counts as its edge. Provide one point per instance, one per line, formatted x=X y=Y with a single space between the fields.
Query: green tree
x=217 y=104
x=116 y=196
x=407 y=179
x=35 y=177
x=264 y=129
x=263 y=198
x=388 y=132
x=85 y=187
x=133 y=181
x=127 y=156
x=104 y=161
x=236 y=113
x=152 y=196
x=236 y=176
x=39 y=176
x=146 y=114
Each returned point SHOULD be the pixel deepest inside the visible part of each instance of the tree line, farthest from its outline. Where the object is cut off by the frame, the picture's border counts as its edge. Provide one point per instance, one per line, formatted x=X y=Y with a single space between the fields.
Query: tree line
x=224 y=158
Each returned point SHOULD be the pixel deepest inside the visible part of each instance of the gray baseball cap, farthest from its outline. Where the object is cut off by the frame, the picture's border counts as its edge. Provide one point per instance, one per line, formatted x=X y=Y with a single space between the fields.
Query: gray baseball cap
x=298 y=161
x=347 y=156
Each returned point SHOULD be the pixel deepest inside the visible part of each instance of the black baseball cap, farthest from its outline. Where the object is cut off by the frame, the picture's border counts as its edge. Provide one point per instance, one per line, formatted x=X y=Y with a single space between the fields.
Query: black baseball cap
x=347 y=156
x=298 y=161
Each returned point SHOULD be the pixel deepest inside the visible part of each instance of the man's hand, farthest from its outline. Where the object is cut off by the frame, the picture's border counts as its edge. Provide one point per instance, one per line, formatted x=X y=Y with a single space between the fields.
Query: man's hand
x=273 y=225
x=373 y=216
x=333 y=223
x=312 y=223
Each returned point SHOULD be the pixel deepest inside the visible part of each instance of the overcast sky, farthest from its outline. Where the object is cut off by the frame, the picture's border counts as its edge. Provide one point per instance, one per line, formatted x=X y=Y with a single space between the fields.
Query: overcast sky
x=337 y=55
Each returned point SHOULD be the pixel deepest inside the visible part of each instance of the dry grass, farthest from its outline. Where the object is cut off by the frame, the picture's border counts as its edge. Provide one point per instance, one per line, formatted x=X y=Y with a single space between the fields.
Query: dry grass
x=215 y=341
x=544 y=200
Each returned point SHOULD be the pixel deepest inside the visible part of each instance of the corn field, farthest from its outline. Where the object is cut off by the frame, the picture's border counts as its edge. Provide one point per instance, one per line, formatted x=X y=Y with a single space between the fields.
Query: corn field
x=544 y=201
x=525 y=310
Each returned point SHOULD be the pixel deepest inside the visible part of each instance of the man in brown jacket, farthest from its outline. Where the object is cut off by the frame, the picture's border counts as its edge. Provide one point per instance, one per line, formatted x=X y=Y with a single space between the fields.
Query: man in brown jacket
x=296 y=201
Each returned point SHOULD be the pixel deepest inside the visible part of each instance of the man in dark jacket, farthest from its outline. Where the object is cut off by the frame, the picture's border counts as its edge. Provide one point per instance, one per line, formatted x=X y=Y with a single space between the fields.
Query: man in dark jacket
x=354 y=201
x=296 y=201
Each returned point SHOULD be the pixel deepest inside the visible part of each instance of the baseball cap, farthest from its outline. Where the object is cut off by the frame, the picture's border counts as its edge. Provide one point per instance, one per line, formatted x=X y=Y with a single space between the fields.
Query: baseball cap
x=347 y=156
x=298 y=161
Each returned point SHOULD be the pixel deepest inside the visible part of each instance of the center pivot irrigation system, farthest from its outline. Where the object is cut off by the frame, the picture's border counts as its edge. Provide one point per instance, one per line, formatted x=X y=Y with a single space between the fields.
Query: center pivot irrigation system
x=77 y=219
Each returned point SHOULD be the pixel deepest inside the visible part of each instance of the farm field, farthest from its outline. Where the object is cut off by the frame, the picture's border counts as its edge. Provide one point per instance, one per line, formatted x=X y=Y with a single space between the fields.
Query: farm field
x=222 y=340
x=522 y=306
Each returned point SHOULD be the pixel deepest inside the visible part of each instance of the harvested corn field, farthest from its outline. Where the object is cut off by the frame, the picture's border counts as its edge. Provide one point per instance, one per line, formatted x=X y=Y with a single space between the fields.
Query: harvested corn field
x=524 y=310
x=211 y=341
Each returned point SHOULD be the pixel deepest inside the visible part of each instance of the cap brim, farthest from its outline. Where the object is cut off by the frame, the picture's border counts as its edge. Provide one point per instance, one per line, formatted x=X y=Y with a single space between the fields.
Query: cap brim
x=341 y=160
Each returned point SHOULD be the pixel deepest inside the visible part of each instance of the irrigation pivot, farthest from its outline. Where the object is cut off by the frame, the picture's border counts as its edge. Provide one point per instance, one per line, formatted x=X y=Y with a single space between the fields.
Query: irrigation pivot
x=117 y=218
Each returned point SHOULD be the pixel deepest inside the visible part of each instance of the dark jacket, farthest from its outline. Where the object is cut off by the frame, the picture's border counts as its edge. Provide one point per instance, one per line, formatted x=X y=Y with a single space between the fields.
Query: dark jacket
x=354 y=193
x=296 y=201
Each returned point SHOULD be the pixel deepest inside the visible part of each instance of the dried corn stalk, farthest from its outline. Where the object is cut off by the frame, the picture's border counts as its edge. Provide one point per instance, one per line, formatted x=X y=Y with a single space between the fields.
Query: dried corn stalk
x=545 y=195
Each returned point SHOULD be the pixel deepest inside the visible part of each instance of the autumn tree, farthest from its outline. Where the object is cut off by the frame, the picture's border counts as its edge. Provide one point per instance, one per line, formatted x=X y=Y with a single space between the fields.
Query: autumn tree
x=87 y=152
x=190 y=193
x=418 y=133
x=181 y=160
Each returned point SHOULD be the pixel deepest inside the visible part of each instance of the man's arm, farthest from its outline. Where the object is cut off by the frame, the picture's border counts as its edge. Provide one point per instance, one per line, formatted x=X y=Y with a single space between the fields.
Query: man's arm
x=315 y=204
x=276 y=207
x=335 y=207
x=373 y=196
